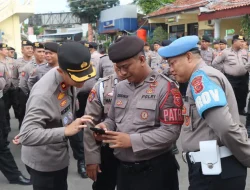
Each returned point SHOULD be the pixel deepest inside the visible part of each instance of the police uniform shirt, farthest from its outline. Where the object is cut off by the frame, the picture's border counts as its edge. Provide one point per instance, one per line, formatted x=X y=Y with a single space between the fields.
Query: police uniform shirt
x=4 y=79
x=105 y=67
x=27 y=71
x=17 y=70
x=207 y=55
x=7 y=70
x=150 y=113
x=156 y=60
x=231 y=62
x=98 y=105
x=148 y=55
x=49 y=110
x=38 y=73
x=95 y=58
x=210 y=113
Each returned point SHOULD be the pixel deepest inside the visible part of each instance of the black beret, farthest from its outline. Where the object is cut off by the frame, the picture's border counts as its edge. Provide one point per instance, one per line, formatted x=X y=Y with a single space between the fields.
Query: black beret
x=83 y=42
x=38 y=45
x=93 y=45
x=222 y=41
x=146 y=44
x=11 y=48
x=238 y=37
x=27 y=43
x=74 y=58
x=124 y=48
x=157 y=42
x=51 y=46
x=166 y=42
x=216 y=42
x=206 y=38
x=3 y=45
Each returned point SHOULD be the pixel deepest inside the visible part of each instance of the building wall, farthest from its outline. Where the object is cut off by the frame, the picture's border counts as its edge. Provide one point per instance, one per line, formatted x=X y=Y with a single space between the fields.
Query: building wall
x=233 y=23
x=10 y=28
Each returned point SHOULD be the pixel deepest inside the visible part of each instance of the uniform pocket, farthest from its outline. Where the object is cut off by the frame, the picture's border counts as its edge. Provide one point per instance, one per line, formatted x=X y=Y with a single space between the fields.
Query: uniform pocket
x=145 y=112
x=120 y=106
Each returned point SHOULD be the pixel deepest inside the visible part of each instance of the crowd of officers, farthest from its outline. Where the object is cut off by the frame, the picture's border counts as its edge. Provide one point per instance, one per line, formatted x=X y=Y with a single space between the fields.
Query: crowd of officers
x=142 y=99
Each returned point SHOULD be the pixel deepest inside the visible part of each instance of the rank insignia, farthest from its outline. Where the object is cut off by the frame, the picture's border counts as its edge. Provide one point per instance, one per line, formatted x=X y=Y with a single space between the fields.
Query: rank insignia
x=60 y=96
x=118 y=102
x=144 y=115
x=150 y=91
x=23 y=74
x=197 y=84
x=184 y=110
x=92 y=95
x=63 y=86
x=63 y=103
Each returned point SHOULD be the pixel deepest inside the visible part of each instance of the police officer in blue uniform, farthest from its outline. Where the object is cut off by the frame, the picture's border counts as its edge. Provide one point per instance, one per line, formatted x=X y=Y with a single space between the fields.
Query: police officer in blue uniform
x=214 y=142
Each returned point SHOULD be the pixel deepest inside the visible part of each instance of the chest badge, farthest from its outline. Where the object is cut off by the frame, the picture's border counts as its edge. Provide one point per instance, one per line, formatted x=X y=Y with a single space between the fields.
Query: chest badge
x=63 y=103
x=144 y=115
x=118 y=102
x=60 y=96
x=63 y=86
x=197 y=84
x=150 y=91
x=23 y=74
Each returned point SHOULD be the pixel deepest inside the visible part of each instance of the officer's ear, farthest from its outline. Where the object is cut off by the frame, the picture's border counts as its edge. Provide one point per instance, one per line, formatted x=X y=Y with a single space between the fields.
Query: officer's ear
x=189 y=56
x=142 y=58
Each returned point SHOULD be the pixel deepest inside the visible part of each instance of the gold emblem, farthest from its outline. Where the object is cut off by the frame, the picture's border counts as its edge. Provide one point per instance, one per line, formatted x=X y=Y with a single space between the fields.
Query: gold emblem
x=144 y=115
x=60 y=96
x=36 y=44
x=150 y=91
x=86 y=45
x=4 y=45
x=84 y=64
x=118 y=102
x=240 y=37
x=24 y=42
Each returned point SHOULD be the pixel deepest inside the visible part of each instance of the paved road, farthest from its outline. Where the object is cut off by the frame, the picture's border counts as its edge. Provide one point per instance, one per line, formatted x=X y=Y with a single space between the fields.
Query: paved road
x=74 y=181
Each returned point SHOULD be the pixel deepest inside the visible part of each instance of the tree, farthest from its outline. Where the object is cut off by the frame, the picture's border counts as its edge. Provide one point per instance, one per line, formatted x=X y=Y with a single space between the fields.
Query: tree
x=245 y=26
x=149 y=6
x=159 y=34
x=89 y=11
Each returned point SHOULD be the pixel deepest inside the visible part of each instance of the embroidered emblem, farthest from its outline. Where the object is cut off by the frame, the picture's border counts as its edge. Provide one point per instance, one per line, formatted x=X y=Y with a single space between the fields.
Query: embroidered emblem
x=92 y=95
x=60 y=96
x=23 y=74
x=186 y=120
x=150 y=91
x=63 y=86
x=118 y=102
x=154 y=84
x=197 y=84
x=177 y=97
x=144 y=115
x=63 y=103
x=84 y=64
x=184 y=110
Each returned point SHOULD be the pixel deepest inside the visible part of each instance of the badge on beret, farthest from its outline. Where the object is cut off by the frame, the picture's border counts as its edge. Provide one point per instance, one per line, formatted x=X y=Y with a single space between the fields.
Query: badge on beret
x=197 y=84
x=65 y=120
x=186 y=120
x=240 y=37
x=92 y=95
x=84 y=64
x=37 y=44
x=118 y=102
x=144 y=115
x=4 y=45
x=60 y=96
x=150 y=91
x=23 y=74
x=63 y=85
x=63 y=103
x=177 y=97
x=86 y=45
x=24 y=42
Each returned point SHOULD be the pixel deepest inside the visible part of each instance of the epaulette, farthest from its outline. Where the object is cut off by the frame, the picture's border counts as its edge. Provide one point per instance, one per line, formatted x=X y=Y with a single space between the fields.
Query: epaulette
x=169 y=80
x=103 y=56
x=103 y=79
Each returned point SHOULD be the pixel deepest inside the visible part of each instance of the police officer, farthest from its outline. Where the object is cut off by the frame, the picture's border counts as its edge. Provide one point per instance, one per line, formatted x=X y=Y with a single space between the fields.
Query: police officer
x=143 y=122
x=148 y=53
x=98 y=105
x=232 y=62
x=95 y=55
x=207 y=53
x=156 y=59
x=46 y=127
x=27 y=51
x=76 y=141
x=211 y=119
x=223 y=44
x=105 y=67
x=51 y=59
x=216 y=48
x=7 y=163
x=11 y=52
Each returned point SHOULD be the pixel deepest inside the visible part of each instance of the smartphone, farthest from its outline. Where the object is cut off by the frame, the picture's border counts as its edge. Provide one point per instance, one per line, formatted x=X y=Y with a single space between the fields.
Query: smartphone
x=97 y=130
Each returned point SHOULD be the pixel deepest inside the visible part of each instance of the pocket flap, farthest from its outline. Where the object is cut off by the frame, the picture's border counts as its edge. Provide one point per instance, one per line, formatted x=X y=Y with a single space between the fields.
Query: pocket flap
x=146 y=104
x=121 y=103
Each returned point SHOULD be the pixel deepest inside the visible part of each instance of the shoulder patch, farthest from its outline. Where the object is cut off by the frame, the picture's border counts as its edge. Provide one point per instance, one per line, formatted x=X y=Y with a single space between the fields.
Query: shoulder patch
x=207 y=94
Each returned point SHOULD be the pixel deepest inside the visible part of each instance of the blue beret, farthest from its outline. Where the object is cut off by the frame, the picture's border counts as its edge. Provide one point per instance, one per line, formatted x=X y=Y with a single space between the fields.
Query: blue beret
x=179 y=46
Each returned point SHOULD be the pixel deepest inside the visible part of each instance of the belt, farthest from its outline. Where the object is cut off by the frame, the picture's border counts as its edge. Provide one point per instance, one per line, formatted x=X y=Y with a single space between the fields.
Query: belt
x=198 y=157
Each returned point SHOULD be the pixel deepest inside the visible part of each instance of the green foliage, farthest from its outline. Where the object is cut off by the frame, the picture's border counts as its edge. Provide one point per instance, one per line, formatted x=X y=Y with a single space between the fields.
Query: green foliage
x=38 y=30
x=159 y=34
x=149 y=6
x=89 y=10
x=245 y=26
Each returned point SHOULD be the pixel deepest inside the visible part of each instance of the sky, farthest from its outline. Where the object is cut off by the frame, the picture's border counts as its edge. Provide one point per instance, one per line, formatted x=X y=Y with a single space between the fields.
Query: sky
x=45 y=6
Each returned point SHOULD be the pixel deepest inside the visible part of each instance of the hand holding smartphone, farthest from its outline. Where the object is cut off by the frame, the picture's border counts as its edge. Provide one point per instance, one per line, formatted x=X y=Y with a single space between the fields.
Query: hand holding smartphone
x=96 y=130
